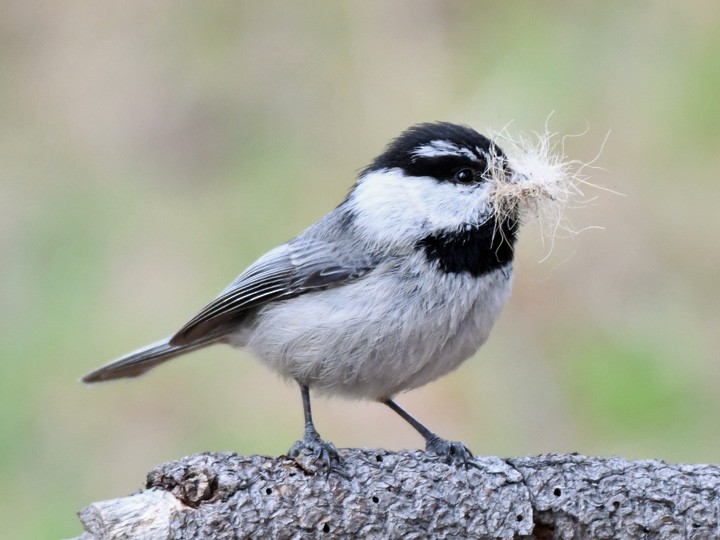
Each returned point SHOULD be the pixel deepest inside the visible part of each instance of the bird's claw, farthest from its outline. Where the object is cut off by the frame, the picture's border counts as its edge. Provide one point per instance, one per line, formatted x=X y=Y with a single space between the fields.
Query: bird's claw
x=452 y=452
x=313 y=446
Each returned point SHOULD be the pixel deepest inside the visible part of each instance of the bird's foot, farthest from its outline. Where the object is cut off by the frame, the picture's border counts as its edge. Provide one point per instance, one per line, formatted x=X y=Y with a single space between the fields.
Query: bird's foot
x=452 y=452
x=311 y=445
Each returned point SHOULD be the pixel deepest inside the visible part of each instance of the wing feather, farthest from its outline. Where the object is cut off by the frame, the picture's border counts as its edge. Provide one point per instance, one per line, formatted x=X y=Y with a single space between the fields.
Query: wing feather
x=299 y=266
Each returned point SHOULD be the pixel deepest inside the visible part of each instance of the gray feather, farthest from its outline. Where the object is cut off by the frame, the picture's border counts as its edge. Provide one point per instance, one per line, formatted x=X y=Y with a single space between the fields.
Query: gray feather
x=307 y=263
x=303 y=264
x=138 y=362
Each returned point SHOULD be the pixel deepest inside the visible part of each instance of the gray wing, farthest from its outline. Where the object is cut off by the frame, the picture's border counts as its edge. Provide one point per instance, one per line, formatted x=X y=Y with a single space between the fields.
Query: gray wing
x=302 y=265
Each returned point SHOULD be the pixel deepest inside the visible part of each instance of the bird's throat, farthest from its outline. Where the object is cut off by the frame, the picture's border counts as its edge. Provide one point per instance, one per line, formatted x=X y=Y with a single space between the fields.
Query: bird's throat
x=476 y=249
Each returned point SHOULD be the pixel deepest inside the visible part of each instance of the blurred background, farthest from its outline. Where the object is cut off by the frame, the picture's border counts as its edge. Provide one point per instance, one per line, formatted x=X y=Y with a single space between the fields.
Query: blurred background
x=150 y=151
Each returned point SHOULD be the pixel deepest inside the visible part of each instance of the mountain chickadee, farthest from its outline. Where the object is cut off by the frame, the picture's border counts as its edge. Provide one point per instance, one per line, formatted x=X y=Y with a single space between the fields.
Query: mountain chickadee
x=395 y=287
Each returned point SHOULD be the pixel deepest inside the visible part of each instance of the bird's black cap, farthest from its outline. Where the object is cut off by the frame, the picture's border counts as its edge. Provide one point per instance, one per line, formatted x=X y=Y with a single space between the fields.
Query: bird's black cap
x=435 y=149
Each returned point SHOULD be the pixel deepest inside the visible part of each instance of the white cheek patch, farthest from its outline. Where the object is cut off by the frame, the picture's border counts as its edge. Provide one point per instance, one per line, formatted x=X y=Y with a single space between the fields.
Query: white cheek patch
x=397 y=209
x=441 y=148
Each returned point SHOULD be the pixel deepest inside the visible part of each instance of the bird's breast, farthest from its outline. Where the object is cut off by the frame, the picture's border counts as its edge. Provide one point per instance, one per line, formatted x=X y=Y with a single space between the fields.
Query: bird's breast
x=397 y=328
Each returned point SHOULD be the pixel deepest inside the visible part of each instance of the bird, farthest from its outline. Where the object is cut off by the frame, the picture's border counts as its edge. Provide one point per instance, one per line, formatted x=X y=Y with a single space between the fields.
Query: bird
x=392 y=289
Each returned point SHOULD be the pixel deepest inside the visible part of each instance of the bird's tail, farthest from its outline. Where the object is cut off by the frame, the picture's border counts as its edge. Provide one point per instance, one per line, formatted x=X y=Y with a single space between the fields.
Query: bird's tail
x=138 y=362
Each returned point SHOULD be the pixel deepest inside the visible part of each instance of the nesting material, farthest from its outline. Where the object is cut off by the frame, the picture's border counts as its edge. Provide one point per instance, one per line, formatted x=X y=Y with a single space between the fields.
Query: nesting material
x=536 y=181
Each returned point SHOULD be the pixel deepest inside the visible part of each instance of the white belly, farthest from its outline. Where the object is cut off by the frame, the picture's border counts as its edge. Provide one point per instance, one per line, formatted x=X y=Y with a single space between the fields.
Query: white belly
x=380 y=335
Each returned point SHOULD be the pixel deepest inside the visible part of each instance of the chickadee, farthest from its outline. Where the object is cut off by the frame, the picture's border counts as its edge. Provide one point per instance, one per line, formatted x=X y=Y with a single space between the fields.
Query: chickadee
x=395 y=287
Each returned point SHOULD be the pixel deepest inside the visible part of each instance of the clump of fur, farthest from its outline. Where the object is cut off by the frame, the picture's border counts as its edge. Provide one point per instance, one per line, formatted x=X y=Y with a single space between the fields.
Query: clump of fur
x=536 y=181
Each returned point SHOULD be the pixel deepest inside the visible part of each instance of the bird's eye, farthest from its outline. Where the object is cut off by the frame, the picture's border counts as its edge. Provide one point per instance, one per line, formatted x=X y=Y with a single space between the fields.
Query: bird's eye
x=464 y=176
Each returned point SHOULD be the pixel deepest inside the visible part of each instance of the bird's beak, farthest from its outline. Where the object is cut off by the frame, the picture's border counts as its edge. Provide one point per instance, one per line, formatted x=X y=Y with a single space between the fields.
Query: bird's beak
x=507 y=176
x=515 y=177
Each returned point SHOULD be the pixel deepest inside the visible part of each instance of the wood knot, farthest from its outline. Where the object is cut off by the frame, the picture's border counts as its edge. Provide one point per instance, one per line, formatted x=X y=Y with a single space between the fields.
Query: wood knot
x=198 y=487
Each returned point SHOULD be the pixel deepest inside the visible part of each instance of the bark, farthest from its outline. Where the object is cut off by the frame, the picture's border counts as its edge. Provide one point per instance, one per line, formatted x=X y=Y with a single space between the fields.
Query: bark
x=382 y=494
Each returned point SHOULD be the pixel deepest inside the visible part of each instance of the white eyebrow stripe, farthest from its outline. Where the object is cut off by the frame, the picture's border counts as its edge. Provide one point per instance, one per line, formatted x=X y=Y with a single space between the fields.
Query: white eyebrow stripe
x=443 y=148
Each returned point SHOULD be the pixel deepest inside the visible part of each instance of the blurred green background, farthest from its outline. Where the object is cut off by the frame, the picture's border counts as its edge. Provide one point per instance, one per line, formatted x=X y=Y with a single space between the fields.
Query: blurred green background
x=150 y=151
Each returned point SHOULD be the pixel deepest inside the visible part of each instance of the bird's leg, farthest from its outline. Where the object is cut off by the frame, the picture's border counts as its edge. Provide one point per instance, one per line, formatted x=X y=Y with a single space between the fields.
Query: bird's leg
x=311 y=441
x=451 y=451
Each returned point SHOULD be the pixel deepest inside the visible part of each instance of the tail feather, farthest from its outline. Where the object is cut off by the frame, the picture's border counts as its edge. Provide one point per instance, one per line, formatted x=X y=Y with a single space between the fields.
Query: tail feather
x=142 y=360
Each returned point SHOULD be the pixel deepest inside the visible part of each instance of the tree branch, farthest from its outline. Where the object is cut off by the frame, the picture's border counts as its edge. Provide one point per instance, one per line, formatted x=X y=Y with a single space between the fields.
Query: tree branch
x=383 y=494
